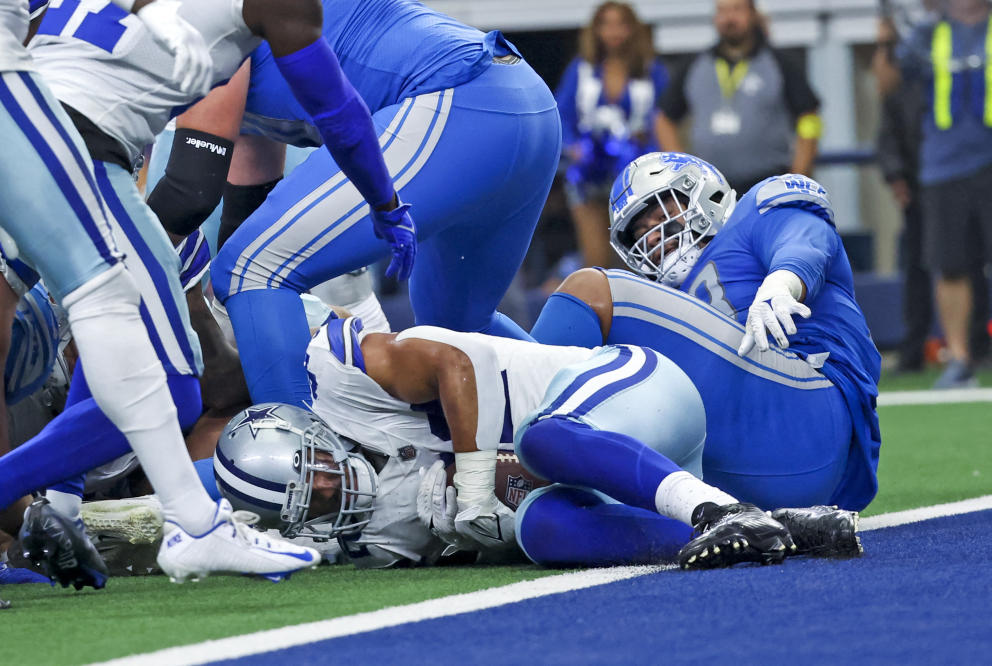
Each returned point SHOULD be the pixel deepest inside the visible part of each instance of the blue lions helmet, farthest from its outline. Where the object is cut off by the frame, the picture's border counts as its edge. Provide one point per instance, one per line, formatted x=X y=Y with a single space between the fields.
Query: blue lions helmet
x=699 y=203
x=266 y=462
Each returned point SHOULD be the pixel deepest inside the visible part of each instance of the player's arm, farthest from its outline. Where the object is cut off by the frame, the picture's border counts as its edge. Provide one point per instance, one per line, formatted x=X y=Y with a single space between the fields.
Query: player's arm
x=293 y=29
x=797 y=244
x=201 y=155
x=466 y=379
x=672 y=108
x=193 y=68
x=804 y=107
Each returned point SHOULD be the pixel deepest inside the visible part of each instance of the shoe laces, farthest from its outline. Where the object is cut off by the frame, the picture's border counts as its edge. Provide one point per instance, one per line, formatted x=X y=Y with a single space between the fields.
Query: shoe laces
x=244 y=528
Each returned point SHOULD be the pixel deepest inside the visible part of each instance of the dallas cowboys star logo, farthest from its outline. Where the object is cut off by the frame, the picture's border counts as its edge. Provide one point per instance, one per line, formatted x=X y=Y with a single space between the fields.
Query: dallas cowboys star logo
x=252 y=417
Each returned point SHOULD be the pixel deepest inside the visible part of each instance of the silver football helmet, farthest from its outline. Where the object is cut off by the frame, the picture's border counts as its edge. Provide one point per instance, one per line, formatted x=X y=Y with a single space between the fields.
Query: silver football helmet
x=703 y=201
x=266 y=461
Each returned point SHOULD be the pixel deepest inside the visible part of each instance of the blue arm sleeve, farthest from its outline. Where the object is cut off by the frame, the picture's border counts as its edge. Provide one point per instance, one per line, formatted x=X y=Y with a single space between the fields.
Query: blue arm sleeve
x=565 y=96
x=799 y=241
x=318 y=83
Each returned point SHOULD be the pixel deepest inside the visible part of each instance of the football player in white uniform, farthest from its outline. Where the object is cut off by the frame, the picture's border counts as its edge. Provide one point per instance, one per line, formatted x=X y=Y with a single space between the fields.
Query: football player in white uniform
x=114 y=77
x=54 y=218
x=615 y=428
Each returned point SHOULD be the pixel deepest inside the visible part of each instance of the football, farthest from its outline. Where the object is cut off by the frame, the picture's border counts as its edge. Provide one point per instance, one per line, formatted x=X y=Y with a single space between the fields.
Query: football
x=513 y=481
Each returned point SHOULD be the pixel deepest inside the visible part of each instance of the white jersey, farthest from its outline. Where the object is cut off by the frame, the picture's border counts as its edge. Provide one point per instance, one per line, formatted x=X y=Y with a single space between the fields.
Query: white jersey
x=103 y=62
x=395 y=533
x=355 y=406
x=14 y=18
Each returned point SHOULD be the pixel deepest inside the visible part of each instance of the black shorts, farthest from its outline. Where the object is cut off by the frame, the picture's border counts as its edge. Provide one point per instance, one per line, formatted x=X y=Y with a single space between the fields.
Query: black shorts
x=957 y=220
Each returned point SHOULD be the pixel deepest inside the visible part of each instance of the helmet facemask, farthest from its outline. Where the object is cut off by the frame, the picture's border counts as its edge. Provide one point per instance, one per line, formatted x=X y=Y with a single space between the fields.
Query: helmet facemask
x=667 y=251
x=355 y=497
x=699 y=201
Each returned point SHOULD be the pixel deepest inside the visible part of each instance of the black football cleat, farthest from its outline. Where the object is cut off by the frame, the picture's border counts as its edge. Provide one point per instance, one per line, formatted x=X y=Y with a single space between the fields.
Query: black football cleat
x=822 y=531
x=61 y=548
x=734 y=533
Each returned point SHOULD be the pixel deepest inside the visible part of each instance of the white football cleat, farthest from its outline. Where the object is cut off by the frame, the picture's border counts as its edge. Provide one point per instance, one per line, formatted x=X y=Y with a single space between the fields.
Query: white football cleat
x=138 y=520
x=231 y=545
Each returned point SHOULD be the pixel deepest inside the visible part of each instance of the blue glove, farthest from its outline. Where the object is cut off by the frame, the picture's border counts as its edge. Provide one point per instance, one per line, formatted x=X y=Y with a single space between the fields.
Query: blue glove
x=397 y=228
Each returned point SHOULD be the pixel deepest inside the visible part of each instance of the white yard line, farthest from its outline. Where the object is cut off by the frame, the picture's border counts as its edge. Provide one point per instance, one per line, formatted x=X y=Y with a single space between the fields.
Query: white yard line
x=276 y=639
x=926 y=513
x=943 y=397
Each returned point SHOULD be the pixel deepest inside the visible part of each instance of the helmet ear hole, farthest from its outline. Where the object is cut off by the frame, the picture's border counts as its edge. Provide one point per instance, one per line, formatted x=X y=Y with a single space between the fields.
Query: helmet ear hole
x=717 y=197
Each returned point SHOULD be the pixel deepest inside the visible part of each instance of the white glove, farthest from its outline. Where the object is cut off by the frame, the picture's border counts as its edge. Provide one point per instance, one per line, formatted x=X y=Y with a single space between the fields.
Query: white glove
x=491 y=525
x=193 y=62
x=772 y=310
x=437 y=506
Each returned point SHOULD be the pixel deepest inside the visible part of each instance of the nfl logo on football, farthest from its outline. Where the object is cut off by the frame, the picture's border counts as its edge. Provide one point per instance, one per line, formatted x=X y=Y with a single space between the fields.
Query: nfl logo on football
x=517 y=488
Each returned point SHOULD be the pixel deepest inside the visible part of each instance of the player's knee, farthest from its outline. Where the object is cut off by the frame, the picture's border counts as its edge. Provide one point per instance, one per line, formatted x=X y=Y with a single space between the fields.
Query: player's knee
x=551 y=521
x=531 y=447
x=111 y=290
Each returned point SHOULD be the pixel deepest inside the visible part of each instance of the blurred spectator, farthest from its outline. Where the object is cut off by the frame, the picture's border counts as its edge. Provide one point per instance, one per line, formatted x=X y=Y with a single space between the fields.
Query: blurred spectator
x=753 y=112
x=953 y=60
x=607 y=99
x=898 y=156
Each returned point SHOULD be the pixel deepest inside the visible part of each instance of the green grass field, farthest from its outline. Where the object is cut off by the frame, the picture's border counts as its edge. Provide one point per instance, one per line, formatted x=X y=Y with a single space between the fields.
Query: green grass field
x=931 y=454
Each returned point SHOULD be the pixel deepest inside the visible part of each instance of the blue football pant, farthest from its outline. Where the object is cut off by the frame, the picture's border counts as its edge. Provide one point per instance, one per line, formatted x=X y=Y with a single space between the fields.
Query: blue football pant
x=475 y=161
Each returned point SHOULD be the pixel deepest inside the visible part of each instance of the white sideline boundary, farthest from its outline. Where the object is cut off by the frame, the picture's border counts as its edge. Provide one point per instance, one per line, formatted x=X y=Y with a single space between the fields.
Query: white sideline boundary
x=925 y=513
x=941 y=397
x=311 y=632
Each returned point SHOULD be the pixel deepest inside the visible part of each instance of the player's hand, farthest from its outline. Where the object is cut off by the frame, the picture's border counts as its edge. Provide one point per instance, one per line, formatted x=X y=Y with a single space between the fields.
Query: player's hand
x=491 y=525
x=772 y=311
x=193 y=64
x=396 y=227
x=437 y=506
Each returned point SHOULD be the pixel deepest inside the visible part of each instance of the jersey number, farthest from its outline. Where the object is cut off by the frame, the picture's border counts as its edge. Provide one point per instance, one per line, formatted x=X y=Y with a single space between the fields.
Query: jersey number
x=102 y=29
x=709 y=278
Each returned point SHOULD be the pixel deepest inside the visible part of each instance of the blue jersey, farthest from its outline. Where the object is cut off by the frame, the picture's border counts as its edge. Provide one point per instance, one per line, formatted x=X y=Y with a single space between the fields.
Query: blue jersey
x=388 y=49
x=785 y=222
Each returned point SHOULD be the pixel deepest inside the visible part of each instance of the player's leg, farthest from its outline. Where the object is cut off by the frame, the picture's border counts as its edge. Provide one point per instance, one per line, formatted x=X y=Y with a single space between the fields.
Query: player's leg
x=756 y=448
x=463 y=272
x=628 y=423
x=567 y=526
x=65 y=235
x=154 y=264
x=314 y=226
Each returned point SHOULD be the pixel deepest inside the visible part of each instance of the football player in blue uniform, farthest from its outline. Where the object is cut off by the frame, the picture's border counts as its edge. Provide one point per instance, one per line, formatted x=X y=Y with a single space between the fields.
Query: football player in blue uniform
x=791 y=423
x=450 y=104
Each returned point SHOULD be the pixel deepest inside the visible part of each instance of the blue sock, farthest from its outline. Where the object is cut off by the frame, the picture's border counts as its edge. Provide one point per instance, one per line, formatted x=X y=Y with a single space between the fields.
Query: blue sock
x=567 y=527
x=79 y=439
x=567 y=320
x=504 y=327
x=272 y=332
x=565 y=451
x=205 y=470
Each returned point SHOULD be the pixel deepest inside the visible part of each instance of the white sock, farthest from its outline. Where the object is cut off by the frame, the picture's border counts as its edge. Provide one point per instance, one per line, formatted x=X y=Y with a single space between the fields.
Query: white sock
x=128 y=383
x=67 y=504
x=680 y=492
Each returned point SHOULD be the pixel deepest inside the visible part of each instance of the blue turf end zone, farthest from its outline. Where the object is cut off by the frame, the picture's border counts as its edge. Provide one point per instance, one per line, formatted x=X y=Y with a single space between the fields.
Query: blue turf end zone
x=920 y=595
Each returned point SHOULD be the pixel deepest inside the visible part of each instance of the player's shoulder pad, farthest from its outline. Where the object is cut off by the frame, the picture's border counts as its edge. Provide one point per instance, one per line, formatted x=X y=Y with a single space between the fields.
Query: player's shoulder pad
x=793 y=190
